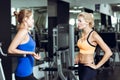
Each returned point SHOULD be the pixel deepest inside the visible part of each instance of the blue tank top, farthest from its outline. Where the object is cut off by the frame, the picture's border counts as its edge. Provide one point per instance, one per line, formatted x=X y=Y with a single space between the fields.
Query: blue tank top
x=25 y=64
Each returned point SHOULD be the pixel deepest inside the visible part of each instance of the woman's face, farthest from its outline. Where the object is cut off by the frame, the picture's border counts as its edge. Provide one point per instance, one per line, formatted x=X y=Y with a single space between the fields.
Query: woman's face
x=30 y=21
x=82 y=23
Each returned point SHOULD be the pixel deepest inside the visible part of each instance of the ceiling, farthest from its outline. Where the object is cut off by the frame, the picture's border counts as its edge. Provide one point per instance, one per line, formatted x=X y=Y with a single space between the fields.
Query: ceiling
x=113 y=3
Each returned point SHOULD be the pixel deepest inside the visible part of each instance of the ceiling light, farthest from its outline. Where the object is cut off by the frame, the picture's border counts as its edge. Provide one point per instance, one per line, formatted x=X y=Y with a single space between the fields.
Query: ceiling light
x=75 y=7
x=118 y=5
x=80 y=7
x=75 y=11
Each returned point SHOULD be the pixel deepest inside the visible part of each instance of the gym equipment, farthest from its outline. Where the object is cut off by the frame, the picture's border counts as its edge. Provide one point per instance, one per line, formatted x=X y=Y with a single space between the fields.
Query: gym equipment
x=63 y=45
x=2 y=75
x=63 y=49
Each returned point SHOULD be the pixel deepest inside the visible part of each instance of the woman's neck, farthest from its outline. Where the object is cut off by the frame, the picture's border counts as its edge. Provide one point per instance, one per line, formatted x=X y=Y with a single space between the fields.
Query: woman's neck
x=86 y=30
x=23 y=26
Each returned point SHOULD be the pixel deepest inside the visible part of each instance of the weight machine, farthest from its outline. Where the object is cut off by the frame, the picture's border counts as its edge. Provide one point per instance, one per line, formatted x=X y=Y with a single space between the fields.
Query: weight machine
x=63 y=45
x=63 y=49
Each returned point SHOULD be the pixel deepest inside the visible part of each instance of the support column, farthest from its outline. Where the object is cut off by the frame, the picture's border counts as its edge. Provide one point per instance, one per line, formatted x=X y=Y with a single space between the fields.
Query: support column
x=5 y=36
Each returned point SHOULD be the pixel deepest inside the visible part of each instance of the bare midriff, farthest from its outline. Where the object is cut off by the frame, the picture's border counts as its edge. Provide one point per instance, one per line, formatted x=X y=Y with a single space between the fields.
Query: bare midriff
x=86 y=58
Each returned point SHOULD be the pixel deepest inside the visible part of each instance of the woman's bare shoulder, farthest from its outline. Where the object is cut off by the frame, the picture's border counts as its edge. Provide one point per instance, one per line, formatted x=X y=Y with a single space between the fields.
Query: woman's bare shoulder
x=96 y=36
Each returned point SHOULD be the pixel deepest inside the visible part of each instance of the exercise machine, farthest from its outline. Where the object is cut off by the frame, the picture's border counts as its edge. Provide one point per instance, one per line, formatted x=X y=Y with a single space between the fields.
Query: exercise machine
x=63 y=51
x=2 y=75
x=63 y=46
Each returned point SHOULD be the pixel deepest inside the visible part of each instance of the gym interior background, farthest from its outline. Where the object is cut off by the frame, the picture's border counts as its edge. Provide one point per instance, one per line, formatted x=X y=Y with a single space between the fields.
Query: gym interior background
x=50 y=17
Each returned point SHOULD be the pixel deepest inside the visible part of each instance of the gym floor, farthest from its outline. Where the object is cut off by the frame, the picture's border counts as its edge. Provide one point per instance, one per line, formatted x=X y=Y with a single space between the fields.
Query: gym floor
x=108 y=74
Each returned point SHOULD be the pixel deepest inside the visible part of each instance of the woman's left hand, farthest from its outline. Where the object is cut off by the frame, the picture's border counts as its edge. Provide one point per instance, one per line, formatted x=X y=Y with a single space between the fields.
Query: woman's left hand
x=37 y=56
x=91 y=65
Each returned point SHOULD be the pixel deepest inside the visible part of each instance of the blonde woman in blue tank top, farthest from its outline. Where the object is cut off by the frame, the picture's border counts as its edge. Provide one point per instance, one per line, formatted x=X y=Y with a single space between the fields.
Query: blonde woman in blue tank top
x=87 y=45
x=24 y=44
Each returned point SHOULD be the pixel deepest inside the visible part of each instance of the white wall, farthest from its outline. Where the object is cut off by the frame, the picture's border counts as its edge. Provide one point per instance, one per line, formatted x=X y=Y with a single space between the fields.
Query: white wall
x=28 y=3
x=90 y=4
x=52 y=9
x=106 y=9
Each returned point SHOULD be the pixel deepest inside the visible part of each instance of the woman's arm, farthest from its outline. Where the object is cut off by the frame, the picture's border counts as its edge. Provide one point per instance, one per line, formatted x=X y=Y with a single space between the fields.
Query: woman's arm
x=104 y=47
x=77 y=58
x=21 y=34
x=98 y=40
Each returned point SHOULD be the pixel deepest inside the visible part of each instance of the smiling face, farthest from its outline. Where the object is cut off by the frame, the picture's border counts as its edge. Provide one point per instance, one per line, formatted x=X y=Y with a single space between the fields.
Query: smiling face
x=82 y=23
x=85 y=20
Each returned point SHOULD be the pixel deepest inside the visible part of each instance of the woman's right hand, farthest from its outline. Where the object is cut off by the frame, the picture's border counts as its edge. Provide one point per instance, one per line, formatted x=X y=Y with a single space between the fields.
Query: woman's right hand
x=76 y=60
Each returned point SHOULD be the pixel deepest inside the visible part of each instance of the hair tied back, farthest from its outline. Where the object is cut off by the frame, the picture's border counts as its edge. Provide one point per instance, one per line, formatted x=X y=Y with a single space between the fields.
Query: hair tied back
x=16 y=13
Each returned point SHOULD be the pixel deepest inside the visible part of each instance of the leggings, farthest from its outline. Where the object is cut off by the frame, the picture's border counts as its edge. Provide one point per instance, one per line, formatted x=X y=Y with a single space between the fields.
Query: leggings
x=31 y=77
x=86 y=73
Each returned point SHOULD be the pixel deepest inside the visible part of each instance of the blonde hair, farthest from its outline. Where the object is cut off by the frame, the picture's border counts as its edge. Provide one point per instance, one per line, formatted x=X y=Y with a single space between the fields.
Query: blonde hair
x=88 y=18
